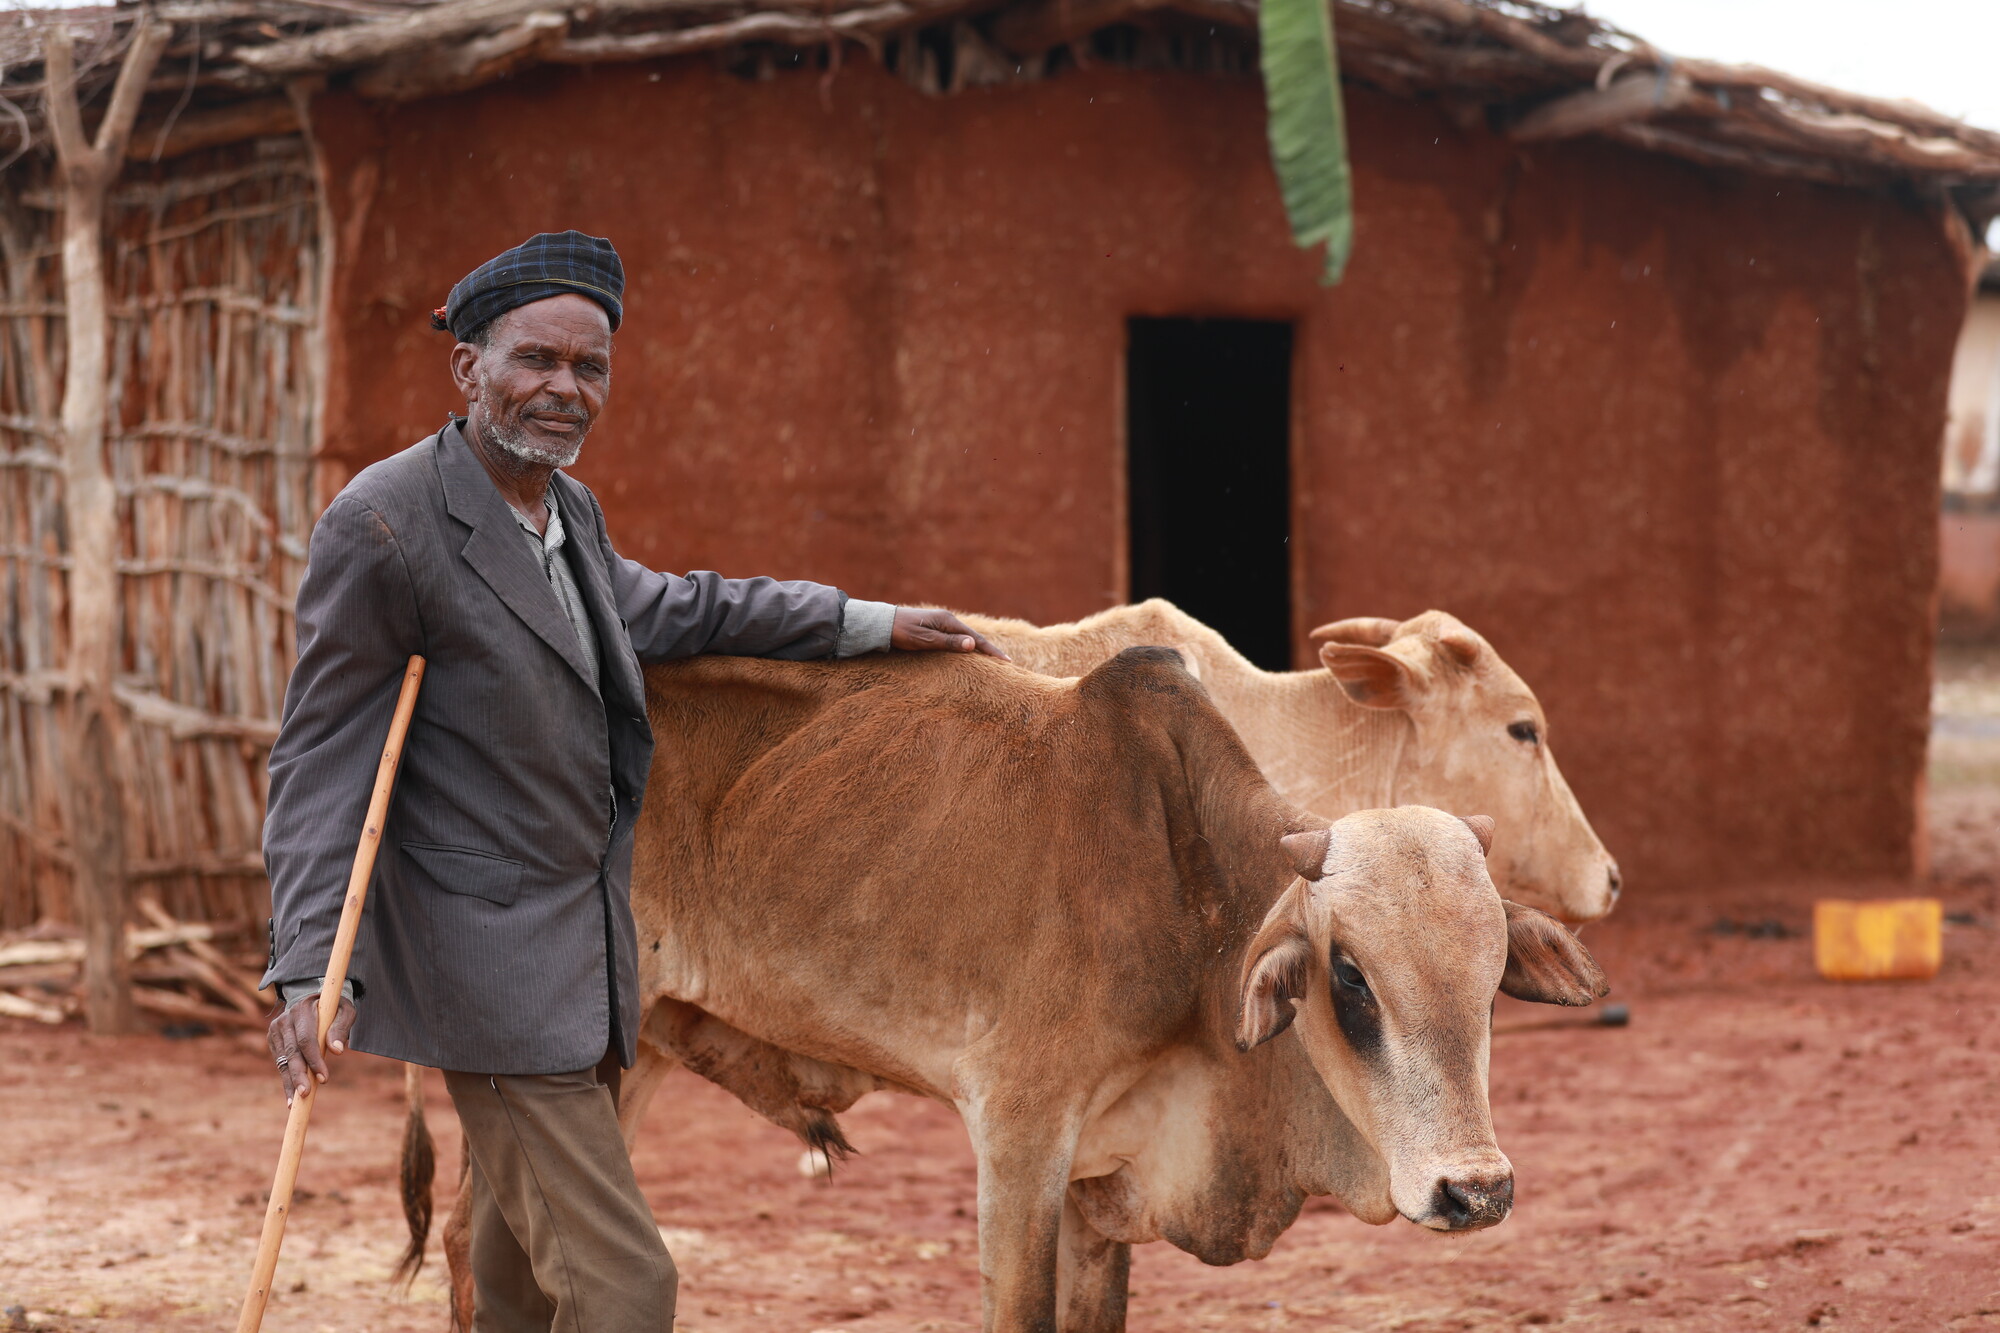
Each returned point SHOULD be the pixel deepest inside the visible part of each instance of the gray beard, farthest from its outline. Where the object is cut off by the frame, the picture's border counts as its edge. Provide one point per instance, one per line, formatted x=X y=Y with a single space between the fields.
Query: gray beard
x=521 y=446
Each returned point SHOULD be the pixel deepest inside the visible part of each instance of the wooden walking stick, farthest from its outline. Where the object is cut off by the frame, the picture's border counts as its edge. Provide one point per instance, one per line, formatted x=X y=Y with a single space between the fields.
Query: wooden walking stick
x=329 y=1003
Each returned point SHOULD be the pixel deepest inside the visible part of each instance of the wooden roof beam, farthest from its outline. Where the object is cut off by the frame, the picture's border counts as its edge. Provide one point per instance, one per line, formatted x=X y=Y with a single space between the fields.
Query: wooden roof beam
x=864 y=24
x=369 y=41
x=1633 y=97
x=254 y=119
x=1456 y=15
x=433 y=72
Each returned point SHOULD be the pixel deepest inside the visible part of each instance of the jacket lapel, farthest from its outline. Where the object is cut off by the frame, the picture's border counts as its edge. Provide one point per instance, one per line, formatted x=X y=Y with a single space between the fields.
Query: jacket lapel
x=499 y=553
x=620 y=670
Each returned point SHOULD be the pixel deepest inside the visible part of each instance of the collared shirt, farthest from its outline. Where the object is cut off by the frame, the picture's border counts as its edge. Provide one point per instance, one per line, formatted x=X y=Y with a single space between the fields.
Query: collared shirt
x=555 y=567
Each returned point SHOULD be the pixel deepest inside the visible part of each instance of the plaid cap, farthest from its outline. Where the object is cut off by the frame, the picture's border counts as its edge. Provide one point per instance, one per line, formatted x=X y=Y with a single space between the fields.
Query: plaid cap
x=549 y=264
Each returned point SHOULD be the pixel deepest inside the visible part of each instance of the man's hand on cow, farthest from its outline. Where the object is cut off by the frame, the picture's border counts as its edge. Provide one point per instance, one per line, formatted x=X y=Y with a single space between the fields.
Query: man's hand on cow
x=919 y=629
x=294 y=1038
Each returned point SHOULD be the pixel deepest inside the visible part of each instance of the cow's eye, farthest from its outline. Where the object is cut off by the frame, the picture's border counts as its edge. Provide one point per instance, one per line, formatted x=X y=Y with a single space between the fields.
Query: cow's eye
x=1525 y=733
x=1348 y=975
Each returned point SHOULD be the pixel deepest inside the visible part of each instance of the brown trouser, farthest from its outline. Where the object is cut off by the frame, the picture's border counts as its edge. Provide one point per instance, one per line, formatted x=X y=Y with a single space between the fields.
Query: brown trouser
x=562 y=1240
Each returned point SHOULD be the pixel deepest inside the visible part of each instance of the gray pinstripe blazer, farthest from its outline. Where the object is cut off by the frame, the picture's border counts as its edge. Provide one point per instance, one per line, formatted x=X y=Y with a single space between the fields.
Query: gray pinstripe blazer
x=498 y=937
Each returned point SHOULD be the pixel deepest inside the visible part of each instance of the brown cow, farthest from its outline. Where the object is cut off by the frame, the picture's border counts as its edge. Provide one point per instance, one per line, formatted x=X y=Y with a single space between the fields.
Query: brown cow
x=1417 y=712
x=1071 y=910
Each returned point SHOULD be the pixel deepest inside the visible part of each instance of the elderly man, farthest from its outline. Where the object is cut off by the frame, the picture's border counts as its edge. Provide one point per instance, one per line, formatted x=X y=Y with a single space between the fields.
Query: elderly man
x=499 y=943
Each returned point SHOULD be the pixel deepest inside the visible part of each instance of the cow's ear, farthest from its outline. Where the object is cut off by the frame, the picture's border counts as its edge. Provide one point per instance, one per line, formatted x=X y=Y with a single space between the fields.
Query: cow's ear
x=1546 y=963
x=1369 y=631
x=1370 y=677
x=1482 y=827
x=1274 y=972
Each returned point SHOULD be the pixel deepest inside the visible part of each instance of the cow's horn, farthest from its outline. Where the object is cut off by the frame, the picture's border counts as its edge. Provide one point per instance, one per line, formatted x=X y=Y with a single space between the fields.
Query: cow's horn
x=1461 y=643
x=1482 y=828
x=1308 y=851
x=1368 y=631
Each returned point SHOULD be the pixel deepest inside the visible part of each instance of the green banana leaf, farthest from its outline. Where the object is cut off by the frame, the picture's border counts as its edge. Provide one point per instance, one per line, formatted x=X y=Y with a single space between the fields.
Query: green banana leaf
x=1307 y=126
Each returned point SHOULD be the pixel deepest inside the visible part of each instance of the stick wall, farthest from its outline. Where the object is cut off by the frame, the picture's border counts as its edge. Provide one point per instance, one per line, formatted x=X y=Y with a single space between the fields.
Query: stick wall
x=214 y=281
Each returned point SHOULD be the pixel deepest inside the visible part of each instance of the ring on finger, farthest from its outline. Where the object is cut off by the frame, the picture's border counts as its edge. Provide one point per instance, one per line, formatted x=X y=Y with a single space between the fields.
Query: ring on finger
x=284 y=1060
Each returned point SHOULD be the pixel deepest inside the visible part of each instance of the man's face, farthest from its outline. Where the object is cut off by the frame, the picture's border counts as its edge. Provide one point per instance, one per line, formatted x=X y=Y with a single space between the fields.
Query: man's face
x=541 y=379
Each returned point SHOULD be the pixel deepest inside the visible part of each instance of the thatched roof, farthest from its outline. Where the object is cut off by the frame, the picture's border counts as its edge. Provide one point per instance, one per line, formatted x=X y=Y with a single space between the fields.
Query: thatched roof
x=1528 y=70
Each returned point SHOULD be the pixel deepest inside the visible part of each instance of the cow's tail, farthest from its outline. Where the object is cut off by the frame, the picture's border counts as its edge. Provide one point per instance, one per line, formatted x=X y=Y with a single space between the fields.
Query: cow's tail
x=419 y=1169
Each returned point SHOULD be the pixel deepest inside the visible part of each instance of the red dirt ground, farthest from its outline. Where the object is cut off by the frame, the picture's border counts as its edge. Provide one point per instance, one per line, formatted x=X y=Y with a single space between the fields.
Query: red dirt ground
x=1758 y=1150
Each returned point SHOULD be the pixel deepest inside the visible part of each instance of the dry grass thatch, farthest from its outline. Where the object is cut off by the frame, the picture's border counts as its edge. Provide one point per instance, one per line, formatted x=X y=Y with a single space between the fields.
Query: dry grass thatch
x=1529 y=70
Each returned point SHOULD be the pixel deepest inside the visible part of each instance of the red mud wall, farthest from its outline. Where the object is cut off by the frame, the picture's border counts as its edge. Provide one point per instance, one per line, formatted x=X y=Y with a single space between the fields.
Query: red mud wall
x=1668 y=438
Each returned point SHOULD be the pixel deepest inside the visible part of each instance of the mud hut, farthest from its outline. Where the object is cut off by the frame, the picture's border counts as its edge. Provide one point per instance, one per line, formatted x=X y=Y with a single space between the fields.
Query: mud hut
x=1640 y=366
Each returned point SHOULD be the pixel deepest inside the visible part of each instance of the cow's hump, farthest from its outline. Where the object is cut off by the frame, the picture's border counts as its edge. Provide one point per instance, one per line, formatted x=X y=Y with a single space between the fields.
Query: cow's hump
x=1149 y=669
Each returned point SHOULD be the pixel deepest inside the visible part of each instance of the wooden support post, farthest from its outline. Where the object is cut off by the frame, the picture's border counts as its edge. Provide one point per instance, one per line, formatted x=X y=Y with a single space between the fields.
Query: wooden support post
x=97 y=844
x=84 y=172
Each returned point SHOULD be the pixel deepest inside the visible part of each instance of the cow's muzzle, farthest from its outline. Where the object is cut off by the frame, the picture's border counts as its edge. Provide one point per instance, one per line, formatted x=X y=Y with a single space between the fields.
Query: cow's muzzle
x=1469 y=1202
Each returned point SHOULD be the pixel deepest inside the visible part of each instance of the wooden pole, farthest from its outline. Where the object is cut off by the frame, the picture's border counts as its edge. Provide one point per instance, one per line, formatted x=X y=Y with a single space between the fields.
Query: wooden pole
x=294 y=1144
x=84 y=172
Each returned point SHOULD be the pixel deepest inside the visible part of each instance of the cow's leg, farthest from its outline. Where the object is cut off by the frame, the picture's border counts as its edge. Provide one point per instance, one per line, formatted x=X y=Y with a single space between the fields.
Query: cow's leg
x=640 y=1082
x=792 y=1091
x=1024 y=1144
x=1092 y=1272
x=1022 y=1178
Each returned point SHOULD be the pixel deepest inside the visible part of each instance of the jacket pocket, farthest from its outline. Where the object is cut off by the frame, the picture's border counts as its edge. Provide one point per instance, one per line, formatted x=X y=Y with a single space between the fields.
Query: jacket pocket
x=497 y=879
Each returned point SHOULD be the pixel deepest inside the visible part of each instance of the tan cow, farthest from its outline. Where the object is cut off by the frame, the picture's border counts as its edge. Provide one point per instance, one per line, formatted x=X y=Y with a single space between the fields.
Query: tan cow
x=1421 y=712
x=1071 y=910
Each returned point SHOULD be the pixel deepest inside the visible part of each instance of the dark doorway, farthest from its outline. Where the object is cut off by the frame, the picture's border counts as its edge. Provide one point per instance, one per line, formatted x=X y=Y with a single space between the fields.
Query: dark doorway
x=1208 y=453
